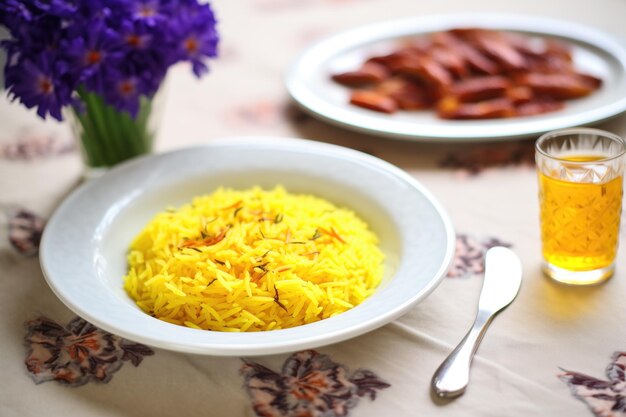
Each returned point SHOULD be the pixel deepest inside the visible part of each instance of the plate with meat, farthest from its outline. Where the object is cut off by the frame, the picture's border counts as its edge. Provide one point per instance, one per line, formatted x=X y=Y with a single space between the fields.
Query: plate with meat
x=471 y=77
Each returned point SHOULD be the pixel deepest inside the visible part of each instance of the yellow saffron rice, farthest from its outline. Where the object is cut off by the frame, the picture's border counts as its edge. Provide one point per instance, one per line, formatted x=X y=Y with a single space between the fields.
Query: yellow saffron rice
x=253 y=260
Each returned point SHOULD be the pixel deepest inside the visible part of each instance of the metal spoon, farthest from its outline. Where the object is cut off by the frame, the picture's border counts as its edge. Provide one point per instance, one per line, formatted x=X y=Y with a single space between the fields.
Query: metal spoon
x=503 y=277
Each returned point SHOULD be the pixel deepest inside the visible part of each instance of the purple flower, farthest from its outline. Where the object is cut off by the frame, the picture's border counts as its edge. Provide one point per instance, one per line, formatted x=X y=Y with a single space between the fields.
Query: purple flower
x=90 y=51
x=135 y=36
x=193 y=40
x=59 y=8
x=39 y=84
x=148 y=12
x=119 y=49
x=124 y=94
x=15 y=9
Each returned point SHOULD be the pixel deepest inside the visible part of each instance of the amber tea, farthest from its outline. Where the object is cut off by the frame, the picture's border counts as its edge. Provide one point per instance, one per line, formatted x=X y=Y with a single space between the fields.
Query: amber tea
x=580 y=195
x=579 y=222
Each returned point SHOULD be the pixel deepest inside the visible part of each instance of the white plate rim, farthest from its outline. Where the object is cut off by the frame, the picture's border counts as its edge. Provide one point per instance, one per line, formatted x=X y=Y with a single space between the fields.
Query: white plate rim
x=249 y=347
x=480 y=131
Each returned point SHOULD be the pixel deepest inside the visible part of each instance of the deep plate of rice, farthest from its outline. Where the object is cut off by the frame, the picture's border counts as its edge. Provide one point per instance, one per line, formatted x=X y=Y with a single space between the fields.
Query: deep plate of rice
x=253 y=260
x=247 y=246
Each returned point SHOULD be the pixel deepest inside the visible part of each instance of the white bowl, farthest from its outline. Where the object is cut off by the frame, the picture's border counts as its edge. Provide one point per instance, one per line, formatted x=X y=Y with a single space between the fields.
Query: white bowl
x=84 y=246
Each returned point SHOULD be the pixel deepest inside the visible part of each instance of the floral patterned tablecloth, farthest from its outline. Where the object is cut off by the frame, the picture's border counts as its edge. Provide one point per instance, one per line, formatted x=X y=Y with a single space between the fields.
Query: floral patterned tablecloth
x=556 y=351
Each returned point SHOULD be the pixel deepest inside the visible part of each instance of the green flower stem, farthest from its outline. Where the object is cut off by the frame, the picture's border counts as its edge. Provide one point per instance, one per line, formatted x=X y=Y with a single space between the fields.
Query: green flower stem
x=110 y=136
x=134 y=146
x=116 y=135
x=95 y=111
x=93 y=137
x=139 y=127
x=88 y=130
x=119 y=138
x=142 y=123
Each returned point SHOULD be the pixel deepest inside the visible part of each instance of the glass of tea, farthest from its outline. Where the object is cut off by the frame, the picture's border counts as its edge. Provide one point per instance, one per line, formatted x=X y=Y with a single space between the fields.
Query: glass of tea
x=580 y=195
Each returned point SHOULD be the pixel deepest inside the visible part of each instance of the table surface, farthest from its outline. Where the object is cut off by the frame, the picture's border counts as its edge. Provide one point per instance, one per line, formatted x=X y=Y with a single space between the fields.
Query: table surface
x=557 y=350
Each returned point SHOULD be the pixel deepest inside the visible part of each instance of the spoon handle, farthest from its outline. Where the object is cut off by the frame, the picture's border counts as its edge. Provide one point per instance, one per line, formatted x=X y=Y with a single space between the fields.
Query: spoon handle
x=452 y=376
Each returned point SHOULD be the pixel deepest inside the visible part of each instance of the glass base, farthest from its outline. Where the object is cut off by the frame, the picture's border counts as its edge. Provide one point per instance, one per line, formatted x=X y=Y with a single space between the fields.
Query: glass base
x=565 y=276
x=92 y=173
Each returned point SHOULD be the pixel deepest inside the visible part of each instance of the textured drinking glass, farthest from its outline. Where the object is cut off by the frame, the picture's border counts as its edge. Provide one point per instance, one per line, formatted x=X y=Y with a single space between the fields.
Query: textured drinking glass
x=580 y=195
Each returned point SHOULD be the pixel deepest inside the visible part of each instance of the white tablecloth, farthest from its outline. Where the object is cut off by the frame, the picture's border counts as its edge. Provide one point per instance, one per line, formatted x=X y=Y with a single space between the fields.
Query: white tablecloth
x=488 y=189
